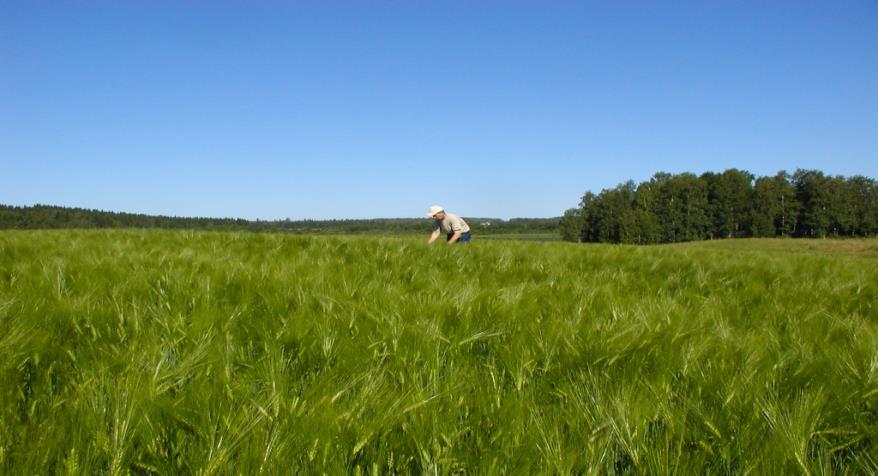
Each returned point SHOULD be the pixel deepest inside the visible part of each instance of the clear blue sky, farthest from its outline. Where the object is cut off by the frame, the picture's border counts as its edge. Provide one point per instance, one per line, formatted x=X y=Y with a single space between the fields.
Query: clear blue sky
x=358 y=109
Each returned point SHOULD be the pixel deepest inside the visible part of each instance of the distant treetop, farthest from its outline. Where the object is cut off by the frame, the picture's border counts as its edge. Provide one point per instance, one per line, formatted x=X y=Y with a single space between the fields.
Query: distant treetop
x=684 y=207
x=48 y=216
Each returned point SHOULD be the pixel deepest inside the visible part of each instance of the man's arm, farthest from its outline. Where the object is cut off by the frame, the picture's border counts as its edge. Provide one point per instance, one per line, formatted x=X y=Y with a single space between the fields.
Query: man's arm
x=455 y=237
x=433 y=236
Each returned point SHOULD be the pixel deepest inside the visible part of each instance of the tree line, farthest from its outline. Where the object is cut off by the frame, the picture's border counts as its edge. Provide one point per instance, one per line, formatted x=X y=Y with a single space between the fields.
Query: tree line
x=49 y=217
x=671 y=208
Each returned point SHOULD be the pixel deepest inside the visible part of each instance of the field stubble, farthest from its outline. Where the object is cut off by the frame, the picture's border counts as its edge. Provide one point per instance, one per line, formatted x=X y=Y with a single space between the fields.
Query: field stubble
x=235 y=353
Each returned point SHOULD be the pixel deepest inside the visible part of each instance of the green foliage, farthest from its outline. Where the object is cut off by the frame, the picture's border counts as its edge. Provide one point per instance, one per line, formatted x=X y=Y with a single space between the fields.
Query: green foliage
x=864 y=195
x=673 y=208
x=775 y=207
x=570 y=225
x=49 y=217
x=160 y=352
x=814 y=191
x=729 y=202
x=683 y=213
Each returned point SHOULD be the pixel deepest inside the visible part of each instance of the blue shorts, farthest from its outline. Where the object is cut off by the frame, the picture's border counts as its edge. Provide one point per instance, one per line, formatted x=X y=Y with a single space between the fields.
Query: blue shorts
x=464 y=237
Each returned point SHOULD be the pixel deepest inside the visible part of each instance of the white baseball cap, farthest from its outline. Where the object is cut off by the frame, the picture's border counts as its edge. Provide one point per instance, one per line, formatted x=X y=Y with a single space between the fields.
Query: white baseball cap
x=434 y=210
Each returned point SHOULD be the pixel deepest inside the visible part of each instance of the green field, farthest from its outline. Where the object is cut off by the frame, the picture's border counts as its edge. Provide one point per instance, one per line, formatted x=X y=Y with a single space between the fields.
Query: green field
x=162 y=352
x=519 y=236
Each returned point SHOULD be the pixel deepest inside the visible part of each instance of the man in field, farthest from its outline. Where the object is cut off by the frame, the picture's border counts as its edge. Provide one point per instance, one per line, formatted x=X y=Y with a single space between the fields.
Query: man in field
x=456 y=230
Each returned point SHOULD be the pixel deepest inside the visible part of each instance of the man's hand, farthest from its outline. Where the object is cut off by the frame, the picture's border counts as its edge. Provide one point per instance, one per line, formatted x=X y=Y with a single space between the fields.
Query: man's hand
x=433 y=236
x=455 y=237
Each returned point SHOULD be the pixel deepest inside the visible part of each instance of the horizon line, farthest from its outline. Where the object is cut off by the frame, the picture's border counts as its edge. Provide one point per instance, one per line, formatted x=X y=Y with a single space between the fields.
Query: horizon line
x=100 y=210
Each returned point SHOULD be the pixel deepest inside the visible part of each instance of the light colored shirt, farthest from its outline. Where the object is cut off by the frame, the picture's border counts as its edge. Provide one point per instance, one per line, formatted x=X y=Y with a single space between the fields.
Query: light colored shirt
x=450 y=224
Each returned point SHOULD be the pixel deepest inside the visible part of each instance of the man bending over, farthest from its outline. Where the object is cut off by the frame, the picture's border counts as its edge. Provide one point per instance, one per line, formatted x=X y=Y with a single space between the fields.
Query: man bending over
x=456 y=230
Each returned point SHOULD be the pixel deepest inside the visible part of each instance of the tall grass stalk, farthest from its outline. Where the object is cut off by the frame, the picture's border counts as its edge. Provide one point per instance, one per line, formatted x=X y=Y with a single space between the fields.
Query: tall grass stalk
x=161 y=352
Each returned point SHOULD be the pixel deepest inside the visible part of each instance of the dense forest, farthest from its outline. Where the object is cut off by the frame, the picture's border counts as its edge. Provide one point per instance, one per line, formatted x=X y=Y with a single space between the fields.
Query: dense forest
x=47 y=217
x=684 y=207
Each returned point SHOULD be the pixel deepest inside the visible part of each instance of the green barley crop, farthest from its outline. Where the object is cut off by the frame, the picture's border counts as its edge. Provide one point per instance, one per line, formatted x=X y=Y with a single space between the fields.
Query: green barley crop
x=162 y=352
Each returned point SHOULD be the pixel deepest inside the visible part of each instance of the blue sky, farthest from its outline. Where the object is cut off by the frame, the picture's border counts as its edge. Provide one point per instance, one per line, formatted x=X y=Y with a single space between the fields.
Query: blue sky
x=327 y=109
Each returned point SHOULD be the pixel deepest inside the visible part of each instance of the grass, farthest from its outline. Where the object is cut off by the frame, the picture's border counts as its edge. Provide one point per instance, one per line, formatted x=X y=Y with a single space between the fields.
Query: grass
x=853 y=247
x=161 y=352
x=552 y=236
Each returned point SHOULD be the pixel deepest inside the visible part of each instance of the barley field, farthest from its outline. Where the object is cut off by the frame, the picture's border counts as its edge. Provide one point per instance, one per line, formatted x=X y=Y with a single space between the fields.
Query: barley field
x=177 y=352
